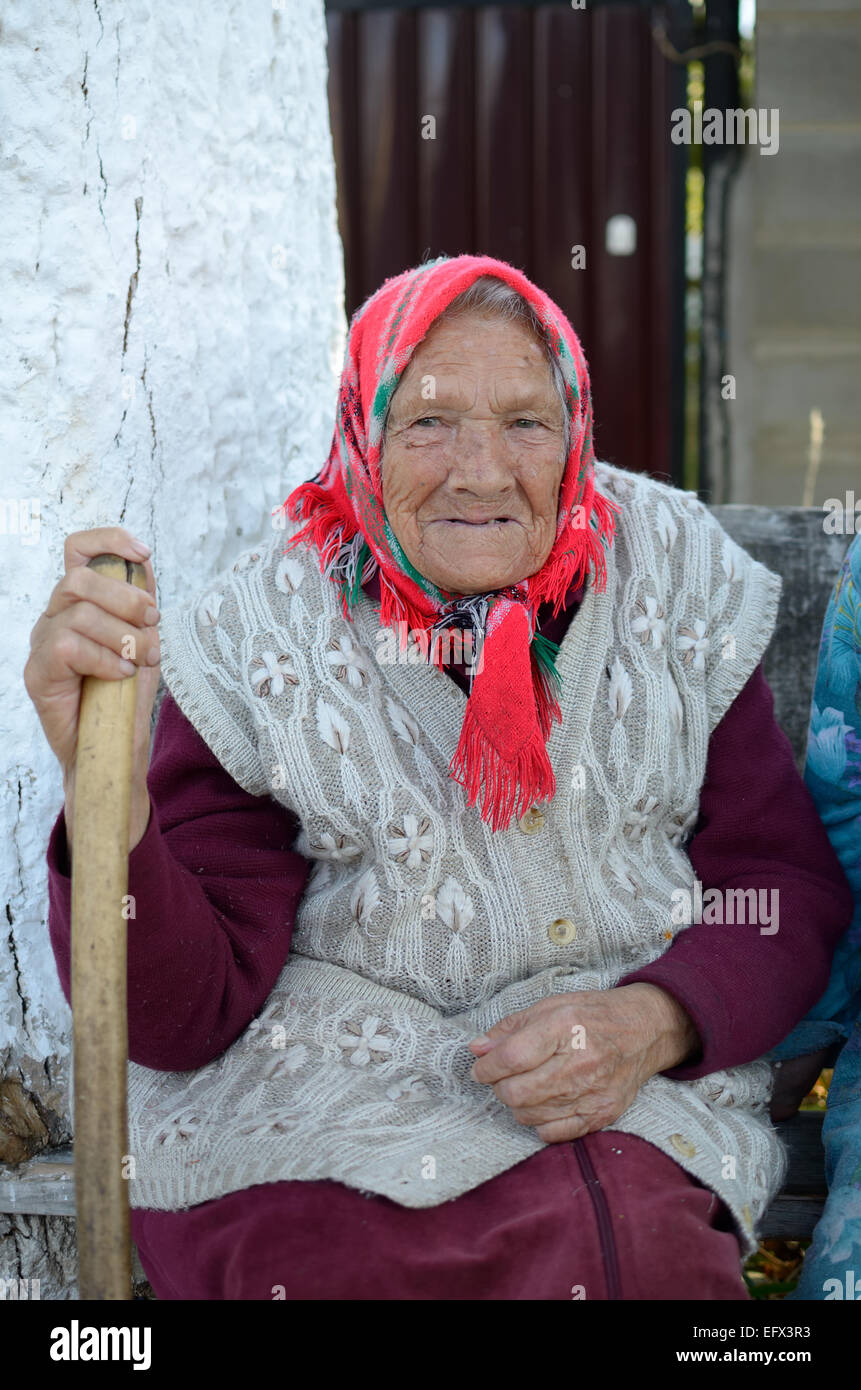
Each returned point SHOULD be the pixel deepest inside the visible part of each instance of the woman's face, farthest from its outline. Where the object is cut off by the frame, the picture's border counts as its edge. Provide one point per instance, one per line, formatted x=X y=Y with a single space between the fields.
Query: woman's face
x=473 y=455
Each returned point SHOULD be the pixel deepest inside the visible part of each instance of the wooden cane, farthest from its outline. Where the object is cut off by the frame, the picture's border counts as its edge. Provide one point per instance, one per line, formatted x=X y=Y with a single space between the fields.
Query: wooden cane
x=100 y=852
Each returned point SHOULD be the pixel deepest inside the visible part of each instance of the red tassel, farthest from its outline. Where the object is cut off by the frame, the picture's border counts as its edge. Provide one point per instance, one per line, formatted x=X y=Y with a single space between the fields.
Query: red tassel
x=502 y=746
x=510 y=788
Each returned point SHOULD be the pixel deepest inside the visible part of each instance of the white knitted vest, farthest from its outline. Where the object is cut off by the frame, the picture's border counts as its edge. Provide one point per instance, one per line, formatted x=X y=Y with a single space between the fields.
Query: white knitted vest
x=420 y=927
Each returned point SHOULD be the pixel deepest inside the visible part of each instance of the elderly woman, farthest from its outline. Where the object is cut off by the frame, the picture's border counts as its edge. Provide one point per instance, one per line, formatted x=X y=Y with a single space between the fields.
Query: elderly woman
x=506 y=1040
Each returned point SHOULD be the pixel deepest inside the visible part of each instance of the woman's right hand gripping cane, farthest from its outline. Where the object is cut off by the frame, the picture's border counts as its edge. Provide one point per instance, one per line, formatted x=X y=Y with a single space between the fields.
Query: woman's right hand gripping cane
x=96 y=626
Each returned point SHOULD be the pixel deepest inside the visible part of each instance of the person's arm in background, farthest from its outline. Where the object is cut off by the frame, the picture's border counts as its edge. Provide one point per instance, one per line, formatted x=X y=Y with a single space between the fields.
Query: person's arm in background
x=832 y=773
x=757 y=828
x=215 y=886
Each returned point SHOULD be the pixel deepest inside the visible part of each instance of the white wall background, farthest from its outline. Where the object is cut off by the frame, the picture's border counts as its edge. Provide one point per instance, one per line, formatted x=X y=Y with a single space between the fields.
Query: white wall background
x=171 y=295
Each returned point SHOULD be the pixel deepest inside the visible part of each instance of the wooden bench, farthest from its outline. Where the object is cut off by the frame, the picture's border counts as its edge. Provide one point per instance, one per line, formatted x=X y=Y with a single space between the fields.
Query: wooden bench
x=791 y=541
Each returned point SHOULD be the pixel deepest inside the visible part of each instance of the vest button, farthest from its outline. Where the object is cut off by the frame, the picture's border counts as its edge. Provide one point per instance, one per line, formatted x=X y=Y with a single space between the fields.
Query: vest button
x=531 y=821
x=683 y=1145
x=562 y=931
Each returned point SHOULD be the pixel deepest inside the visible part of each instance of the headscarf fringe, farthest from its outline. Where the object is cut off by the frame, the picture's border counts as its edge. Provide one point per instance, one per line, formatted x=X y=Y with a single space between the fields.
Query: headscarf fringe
x=397 y=611
x=546 y=681
x=510 y=788
x=343 y=553
x=588 y=552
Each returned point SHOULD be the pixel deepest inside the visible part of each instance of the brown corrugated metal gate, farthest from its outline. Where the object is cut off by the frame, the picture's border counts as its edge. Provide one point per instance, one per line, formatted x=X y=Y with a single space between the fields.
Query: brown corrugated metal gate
x=547 y=121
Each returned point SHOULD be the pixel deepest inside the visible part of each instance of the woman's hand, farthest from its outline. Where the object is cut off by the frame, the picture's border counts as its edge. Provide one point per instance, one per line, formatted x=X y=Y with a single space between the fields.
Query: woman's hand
x=90 y=625
x=573 y=1063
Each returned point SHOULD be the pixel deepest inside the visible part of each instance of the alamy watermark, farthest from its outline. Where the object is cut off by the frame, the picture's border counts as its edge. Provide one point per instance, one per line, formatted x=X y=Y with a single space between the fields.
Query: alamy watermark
x=77 y=1343
x=414 y=647
x=21 y=516
x=712 y=126
x=720 y=906
x=19 y=1290
x=842 y=516
x=847 y=1288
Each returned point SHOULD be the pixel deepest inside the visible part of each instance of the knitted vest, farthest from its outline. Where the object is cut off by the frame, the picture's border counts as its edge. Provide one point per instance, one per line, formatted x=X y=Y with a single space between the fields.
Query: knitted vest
x=420 y=927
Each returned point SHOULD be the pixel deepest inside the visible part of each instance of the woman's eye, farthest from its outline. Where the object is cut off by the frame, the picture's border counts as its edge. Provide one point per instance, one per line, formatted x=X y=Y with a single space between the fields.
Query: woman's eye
x=427 y=420
x=525 y=421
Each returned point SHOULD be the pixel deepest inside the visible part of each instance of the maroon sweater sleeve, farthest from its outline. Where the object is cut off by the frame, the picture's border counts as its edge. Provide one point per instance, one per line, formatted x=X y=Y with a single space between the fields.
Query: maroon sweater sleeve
x=758 y=827
x=215 y=885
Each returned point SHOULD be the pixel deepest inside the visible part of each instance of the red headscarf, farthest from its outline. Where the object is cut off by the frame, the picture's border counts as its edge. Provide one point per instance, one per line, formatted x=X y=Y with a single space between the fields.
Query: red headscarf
x=512 y=702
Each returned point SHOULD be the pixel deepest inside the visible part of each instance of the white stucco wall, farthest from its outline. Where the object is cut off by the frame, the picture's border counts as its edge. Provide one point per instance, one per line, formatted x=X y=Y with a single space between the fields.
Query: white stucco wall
x=171 y=294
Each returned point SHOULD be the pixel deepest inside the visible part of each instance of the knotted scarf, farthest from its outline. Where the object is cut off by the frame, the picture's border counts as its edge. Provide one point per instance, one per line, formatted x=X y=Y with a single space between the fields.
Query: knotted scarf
x=501 y=753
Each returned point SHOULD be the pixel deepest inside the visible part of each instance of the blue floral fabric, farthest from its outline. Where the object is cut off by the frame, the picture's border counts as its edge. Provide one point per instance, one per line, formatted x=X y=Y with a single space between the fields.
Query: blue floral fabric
x=832 y=1265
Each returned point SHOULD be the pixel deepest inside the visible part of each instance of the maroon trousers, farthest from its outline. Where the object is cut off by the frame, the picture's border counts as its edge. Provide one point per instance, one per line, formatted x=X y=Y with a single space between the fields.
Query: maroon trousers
x=605 y=1217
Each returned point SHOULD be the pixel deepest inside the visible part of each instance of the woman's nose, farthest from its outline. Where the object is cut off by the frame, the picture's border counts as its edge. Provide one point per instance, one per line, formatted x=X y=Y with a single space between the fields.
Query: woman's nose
x=480 y=458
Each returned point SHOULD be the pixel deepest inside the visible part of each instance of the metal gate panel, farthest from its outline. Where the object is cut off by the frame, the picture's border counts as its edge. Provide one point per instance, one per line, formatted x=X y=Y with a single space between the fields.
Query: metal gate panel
x=548 y=122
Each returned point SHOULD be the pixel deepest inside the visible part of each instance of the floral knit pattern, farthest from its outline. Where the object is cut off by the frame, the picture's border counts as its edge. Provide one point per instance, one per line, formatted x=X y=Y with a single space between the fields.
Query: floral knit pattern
x=421 y=926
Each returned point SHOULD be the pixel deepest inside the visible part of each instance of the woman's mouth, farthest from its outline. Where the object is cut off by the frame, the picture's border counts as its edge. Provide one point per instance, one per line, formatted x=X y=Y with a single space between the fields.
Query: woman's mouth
x=462 y=521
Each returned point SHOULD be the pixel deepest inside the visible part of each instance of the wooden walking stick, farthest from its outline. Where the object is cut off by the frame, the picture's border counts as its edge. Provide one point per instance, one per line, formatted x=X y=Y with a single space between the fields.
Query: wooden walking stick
x=100 y=853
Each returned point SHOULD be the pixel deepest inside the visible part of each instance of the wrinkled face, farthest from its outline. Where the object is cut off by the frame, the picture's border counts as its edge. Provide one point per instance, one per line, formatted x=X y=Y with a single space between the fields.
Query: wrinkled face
x=473 y=455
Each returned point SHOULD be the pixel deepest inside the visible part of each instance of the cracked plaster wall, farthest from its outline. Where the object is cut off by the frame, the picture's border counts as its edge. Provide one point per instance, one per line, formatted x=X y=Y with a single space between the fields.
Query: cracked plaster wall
x=173 y=329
